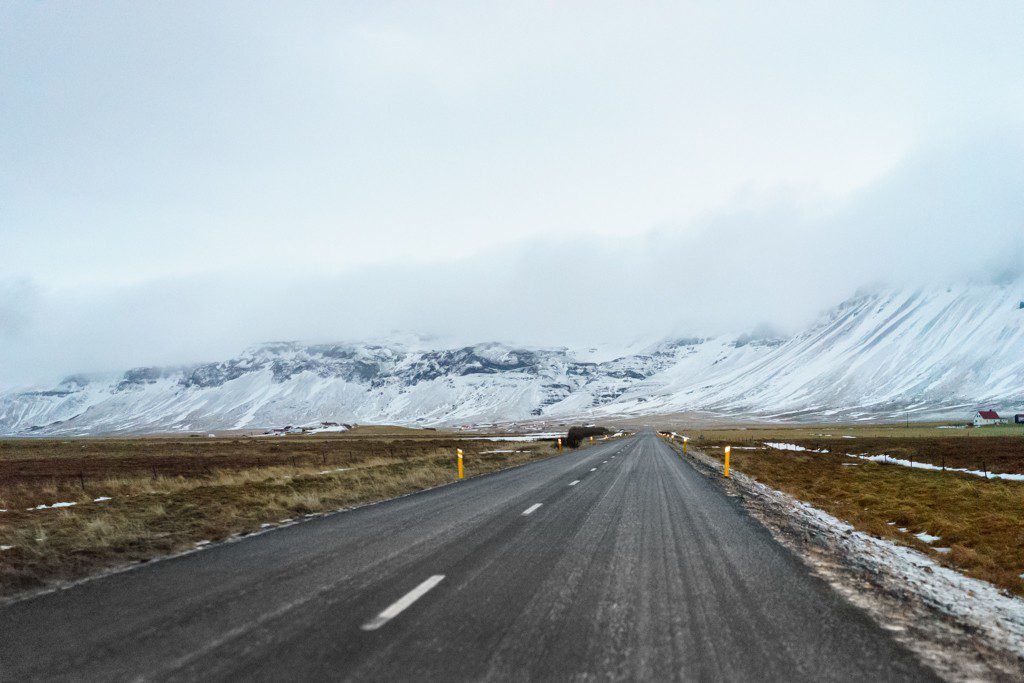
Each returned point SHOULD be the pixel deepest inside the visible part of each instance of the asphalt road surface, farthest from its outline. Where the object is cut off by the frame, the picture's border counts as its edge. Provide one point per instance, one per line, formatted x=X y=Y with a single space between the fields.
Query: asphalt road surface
x=617 y=562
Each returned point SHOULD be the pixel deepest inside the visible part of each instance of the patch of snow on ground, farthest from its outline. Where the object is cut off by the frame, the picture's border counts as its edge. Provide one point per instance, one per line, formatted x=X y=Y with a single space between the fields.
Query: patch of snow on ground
x=340 y=469
x=501 y=451
x=889 y=460
x=101 y=499
x=927 y=537
x=321 y=430
x=792 y=447
x=523 y=437
x=5 y=547
x=43 y=506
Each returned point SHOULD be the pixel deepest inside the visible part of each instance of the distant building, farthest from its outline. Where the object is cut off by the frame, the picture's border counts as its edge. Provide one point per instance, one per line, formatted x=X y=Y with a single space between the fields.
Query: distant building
x=987 y=417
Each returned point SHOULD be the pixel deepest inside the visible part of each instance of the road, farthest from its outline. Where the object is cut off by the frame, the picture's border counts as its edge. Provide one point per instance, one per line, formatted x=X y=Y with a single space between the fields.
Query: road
x=620 y=561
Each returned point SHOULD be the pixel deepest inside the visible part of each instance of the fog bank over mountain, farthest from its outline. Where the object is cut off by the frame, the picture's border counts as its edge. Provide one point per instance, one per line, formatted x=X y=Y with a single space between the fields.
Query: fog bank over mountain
x=944 y=215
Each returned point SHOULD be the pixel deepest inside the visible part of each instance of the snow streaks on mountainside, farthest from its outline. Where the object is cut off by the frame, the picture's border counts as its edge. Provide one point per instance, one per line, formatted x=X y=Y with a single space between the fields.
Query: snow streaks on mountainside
x=917 y=352
x=880 y=355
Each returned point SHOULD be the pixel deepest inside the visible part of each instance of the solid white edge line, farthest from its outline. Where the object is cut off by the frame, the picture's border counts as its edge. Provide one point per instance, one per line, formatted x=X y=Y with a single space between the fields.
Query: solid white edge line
x=532 y=508
x=402 y=603
x=573 y=483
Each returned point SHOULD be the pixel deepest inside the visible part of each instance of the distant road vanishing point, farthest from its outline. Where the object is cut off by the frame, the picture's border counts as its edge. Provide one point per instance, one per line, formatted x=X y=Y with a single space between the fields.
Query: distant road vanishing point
x=617 y=562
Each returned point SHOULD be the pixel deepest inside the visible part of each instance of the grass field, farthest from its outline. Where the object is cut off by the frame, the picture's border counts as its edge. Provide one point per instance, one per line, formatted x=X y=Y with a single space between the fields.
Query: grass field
x=995 y=449
x=123 y=500
x=979 y=522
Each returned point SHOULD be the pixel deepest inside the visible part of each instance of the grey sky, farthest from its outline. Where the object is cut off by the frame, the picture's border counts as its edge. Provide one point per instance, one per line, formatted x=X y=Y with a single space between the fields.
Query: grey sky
x=179 y=180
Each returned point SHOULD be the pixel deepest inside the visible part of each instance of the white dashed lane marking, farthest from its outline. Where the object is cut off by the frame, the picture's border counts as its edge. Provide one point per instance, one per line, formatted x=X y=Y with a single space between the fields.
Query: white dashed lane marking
x=403 y=603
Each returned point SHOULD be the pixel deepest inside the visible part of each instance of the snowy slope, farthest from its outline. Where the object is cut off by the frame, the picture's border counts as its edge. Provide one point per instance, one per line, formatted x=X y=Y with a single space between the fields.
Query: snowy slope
x=925 y=353
x=881 y=355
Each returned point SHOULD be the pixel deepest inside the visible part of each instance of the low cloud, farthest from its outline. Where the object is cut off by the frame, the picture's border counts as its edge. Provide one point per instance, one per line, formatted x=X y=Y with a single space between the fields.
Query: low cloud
x=942 y=216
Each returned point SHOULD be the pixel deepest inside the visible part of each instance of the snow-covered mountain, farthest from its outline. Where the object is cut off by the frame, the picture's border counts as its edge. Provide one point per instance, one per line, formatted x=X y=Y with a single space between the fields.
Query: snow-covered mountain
x=934 y=352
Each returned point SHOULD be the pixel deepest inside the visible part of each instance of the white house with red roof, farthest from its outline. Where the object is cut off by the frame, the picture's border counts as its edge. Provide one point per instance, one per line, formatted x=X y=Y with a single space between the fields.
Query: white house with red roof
x=987 y=417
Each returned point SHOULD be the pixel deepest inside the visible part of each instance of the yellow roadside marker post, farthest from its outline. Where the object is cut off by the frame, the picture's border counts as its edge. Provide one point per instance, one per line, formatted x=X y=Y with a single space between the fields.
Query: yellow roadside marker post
x=459 y=452
x=591 y=439
x=728 y=449
x=559 y=444
x=685 y=439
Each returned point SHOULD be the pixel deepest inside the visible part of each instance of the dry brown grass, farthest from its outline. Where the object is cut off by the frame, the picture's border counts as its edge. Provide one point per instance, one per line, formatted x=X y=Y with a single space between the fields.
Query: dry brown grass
x=995 y=449
x=167 y=495
x=980 y=521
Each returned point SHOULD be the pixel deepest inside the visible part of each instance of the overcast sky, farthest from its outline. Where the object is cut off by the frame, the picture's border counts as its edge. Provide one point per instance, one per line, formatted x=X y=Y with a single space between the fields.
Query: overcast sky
x=179 y=180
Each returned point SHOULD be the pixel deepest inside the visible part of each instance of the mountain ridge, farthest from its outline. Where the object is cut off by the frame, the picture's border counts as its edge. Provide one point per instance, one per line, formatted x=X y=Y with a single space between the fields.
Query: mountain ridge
x=881 y=354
